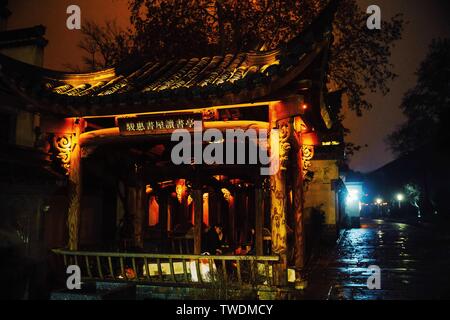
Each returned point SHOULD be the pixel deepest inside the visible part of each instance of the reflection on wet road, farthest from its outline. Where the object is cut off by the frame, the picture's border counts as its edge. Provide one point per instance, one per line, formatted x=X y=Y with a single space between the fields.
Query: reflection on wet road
x=414 y=262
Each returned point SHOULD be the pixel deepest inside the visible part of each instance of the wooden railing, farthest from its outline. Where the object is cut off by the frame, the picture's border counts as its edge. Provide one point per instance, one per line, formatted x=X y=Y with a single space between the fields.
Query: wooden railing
x=201 y=270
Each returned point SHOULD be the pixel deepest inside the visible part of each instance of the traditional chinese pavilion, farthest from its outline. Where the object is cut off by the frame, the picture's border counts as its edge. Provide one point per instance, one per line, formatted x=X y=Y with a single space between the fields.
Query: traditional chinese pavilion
x=125 y=212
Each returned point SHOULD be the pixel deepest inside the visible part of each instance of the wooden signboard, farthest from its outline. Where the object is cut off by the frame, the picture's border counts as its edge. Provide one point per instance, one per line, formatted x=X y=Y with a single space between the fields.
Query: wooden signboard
x=157 y=124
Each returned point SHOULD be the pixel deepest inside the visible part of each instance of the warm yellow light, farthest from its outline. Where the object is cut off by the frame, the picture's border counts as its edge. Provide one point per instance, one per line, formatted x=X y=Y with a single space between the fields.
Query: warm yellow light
x=220 y=141
x=206 y=208
x=180 y=189
x=300 y=125
x=226 y=194
x=331 y=143
x=153 y=214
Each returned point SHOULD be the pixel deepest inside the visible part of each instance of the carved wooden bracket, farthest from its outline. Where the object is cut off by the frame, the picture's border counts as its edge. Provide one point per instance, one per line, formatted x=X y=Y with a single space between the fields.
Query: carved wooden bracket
x=210 y=114
x=64 y=145
x=285 y=145
x=307 y=156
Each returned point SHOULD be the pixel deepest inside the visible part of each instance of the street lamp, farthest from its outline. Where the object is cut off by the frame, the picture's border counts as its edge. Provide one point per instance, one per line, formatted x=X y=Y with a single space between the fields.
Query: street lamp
x=378 y=202
x=400 y=197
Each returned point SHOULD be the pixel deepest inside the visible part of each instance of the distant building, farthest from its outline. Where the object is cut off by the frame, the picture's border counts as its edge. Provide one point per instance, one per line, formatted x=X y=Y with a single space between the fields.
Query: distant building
x=355 y=194
x=325 y=191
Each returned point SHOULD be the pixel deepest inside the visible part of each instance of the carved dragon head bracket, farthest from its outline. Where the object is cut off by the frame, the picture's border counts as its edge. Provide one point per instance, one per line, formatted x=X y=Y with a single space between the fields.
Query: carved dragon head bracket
x=285 y=128
x=64 y=145
x=307 y=156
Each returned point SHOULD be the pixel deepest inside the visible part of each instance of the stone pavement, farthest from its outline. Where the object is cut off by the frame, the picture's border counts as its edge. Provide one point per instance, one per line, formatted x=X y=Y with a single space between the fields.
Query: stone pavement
x=414 y=262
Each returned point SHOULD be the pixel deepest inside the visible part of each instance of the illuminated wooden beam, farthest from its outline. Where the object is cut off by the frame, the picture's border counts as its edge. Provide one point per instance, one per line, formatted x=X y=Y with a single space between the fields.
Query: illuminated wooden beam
x=114 y=135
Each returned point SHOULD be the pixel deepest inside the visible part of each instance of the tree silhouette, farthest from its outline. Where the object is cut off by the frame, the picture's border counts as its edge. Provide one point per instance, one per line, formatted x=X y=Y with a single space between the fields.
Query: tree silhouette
x=414 y=196
x=427 y=105
x=359 y=60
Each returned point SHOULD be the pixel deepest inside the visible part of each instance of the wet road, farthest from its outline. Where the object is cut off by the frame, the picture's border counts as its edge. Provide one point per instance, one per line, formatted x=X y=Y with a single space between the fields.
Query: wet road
x=414 y=263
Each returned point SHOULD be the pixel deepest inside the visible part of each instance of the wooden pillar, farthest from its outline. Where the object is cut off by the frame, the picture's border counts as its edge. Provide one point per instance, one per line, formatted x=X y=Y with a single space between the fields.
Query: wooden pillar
x=245 y=216
x=278 y=224
x=170 y=213
x=198 y=220
x=75 y=186
x=39 y=231
x=163 y=202
x=131 y=211
x=219 y=212
x=139 y=217
x=298 y=210
x=259 y=221
x=279 y=205
x=213 y=204
x=232 y=233
x=185 y=212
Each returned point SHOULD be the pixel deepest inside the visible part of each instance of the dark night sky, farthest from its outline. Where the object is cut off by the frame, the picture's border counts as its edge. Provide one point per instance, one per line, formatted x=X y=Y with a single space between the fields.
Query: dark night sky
x=427 y=19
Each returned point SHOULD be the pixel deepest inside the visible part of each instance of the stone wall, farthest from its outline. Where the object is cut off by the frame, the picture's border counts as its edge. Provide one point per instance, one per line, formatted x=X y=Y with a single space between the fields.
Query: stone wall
x=321 y=196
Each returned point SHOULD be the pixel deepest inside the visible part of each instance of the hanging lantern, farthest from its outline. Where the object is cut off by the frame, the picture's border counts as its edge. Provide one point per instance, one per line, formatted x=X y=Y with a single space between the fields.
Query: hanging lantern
x=310 y=139
x=180 y=189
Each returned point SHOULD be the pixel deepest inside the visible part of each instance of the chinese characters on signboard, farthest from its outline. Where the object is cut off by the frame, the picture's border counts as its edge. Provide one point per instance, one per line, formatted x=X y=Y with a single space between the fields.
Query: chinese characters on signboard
x=157 y=124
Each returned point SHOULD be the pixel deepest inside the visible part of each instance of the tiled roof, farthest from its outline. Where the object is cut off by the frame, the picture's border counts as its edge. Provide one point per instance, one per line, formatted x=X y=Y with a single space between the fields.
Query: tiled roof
x=139 y=86
x=154 y=77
